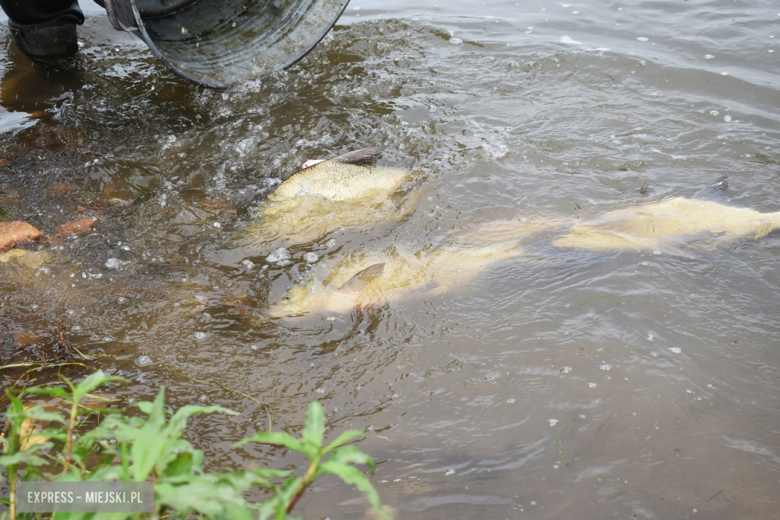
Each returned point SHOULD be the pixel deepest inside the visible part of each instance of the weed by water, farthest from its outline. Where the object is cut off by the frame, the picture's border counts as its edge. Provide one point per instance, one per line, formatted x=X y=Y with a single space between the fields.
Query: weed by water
x=127 y=447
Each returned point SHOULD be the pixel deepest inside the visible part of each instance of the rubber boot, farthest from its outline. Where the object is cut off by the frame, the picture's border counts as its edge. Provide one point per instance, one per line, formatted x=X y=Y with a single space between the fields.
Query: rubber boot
x=44 y=29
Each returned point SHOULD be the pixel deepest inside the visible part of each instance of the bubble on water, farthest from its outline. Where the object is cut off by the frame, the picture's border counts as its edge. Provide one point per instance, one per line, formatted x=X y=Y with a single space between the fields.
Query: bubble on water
x=688 y=391
x=330 y=243
x=121 y=299
x=605 y=367
x=217 y=225
x=254 y=347
x=320 y=390
x=107 y=339
x=248 y=264
x=511 y=400
x=203 y=398
x=449 y=472
x=714 y=112
x=76 y=328
x=565 y=370
x=650 y=337
x=591 y=385
x=279 y=256
x=115 y=263
x=642 y=39
x=676 y=350
x=455 y=41
x=311 y=257
x=553 y=422
x=708 y=56
x=727 y=118
x=569 y=40
x=200 y=335
x=143 y=361
x=533 y=502
x=125 y=248
x=200 y=297
x=83 y=275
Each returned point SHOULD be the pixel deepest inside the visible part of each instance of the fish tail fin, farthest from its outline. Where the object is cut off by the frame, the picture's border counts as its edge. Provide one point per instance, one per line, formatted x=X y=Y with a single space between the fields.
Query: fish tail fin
x=717 y=191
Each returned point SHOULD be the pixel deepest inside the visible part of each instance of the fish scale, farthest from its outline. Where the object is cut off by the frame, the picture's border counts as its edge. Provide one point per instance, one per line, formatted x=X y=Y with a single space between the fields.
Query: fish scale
x=340 y=181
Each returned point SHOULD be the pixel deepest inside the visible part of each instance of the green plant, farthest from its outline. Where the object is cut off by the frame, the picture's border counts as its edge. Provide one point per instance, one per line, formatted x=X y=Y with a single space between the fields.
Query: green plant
x=124 y=447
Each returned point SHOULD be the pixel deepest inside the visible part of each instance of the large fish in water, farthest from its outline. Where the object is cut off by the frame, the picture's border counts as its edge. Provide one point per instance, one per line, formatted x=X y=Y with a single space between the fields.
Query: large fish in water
x=673 y=226
x=347 y=191
x=376 y=278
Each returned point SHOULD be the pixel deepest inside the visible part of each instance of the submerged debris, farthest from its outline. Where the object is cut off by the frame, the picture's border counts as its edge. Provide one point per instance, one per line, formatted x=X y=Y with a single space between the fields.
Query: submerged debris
x=17 y=233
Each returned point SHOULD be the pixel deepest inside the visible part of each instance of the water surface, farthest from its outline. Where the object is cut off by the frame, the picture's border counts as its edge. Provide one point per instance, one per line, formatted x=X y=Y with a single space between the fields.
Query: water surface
x=556 y=385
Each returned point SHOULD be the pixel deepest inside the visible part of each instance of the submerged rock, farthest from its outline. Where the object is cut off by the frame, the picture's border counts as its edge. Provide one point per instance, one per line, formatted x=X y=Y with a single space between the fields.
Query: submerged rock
x=17 y=233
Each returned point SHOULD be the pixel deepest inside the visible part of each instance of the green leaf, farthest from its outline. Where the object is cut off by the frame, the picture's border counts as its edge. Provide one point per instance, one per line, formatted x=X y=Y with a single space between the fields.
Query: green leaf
x=91 y=382
x=276 y=438
x=54 y=390
x=37 y=413
x=314 y=429
x=21 y=456
x=150 y=442
x=181 y=465
x=179 y=420
x=145 y=406
x=343 y=439
x=352 y=475
x=5 y=213
x=351 y=455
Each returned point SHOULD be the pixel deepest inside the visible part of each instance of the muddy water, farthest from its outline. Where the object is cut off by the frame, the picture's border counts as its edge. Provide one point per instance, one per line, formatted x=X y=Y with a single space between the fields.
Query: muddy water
x=554 y=385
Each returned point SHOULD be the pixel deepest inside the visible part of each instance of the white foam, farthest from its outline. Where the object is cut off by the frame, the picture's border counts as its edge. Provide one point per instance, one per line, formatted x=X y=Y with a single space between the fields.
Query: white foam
x=278 y=256
x=569 y=40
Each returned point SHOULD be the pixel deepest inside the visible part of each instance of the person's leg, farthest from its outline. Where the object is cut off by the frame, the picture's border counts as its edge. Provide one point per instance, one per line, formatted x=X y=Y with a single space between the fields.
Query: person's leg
x=44 y=28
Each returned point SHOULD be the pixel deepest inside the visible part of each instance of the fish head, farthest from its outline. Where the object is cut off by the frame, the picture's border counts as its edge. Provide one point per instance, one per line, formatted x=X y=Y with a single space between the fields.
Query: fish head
x=298 y=300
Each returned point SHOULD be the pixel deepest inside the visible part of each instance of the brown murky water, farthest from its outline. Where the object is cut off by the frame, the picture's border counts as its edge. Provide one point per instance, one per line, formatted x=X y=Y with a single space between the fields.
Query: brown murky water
x=654 y=377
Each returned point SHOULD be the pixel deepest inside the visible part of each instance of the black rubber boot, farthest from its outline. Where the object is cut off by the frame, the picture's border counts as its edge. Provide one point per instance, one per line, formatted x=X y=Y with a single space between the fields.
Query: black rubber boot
x=57 y=41
x=44 y=29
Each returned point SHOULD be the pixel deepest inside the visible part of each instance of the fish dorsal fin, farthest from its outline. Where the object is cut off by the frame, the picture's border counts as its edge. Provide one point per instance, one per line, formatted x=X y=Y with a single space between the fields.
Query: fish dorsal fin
x=359 y=282
x=364 y=157
x=717 y=191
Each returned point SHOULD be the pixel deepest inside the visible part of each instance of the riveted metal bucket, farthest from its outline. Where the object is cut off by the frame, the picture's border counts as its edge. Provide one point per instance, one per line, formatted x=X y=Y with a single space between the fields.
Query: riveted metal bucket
x=217 y=43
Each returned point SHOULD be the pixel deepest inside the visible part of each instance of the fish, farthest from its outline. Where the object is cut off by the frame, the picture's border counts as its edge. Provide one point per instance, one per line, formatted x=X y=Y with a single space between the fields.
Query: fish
x=375 y=279
x=353 y=175
x=675 y=226
x=347 y=191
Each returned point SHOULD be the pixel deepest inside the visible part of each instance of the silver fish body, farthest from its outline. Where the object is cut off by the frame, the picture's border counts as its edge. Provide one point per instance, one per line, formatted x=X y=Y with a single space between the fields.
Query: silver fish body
x=376 y=279
x=348 y=191
x=671 y=225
